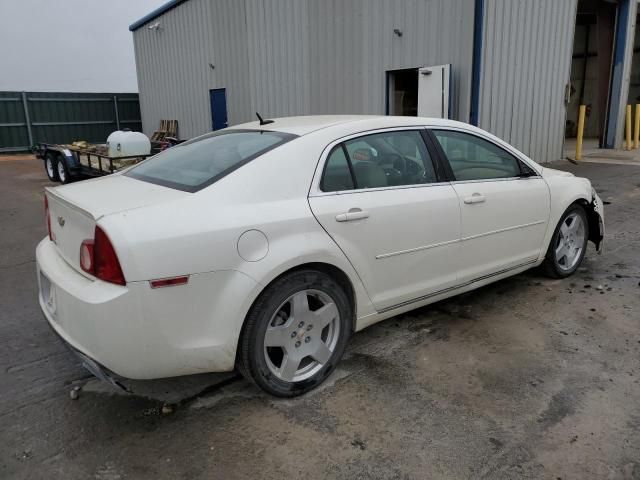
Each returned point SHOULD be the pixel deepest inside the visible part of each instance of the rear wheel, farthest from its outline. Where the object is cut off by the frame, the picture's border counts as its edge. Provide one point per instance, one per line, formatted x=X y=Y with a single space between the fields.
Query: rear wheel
x=568 y=244
x=50 y=166
x=63 y=171
x=295 y=333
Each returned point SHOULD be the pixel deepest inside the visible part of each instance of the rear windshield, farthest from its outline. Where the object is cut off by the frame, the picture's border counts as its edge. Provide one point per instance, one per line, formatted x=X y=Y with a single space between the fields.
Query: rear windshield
x=198 y=163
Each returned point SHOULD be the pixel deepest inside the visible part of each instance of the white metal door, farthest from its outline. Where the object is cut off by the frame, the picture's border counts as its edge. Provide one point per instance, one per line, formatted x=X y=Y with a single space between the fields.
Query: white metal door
x=403 y=242
x=504 y=205
x=503 y=224
x=433 y=91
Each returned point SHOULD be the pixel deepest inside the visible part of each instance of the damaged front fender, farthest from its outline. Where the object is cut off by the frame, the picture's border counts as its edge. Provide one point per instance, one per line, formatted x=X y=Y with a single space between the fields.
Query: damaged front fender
x=595 y=212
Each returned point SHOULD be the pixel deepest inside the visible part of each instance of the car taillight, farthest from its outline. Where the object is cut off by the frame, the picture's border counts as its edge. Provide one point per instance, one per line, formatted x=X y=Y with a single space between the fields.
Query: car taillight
x=99 y=258
x=86 y=256
x=105 y=261
x=48 y=216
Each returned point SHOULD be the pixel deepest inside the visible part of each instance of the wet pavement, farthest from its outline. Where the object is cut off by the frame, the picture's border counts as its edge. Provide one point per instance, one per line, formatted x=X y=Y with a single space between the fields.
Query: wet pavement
x=525 y=378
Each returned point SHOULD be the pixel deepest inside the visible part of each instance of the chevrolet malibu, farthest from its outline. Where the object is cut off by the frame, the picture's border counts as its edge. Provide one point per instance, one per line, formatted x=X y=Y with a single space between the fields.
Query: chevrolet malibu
x=265 y=246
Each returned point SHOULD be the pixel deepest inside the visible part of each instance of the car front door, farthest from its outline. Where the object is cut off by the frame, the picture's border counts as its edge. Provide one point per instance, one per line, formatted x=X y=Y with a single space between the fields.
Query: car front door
x=504 y=204
x=382 y=199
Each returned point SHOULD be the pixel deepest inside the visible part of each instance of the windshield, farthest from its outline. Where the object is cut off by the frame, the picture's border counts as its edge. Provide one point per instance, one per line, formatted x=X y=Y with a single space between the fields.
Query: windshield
x=198 y=163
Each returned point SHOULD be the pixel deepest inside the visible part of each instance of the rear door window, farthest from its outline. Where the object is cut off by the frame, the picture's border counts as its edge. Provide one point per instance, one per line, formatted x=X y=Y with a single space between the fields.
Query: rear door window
x=386 y=159
x=202 y=161
x=337 y=174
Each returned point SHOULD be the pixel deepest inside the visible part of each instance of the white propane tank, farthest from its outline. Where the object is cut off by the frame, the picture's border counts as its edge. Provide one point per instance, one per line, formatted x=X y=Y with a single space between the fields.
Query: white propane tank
x=128 y=144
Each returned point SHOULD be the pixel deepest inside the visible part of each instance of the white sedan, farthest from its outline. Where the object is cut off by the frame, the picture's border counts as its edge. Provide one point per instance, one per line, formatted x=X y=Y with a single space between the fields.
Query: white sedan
x=265 y=246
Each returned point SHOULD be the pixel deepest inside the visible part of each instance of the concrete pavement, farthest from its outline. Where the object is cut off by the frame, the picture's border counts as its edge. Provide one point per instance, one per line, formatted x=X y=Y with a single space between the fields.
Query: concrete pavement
x=525 y=378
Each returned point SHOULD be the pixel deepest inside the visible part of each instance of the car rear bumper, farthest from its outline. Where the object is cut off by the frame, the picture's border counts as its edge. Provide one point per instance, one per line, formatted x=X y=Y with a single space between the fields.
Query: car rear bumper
x=138 y=332
x=89 y=363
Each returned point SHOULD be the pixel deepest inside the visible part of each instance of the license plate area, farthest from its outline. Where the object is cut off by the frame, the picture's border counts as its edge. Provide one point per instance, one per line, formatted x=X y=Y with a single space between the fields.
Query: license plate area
x=47 y=293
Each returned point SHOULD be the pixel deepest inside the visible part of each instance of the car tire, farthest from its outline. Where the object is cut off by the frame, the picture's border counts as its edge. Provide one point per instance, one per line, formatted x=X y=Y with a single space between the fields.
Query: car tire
x=280 y=348
x=63 y=172
x=51 y=167
x=568 y=244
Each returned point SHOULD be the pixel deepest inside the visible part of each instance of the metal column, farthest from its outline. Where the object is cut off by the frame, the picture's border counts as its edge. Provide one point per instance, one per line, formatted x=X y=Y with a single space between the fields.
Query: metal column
x=115 y=108
x=27 y=119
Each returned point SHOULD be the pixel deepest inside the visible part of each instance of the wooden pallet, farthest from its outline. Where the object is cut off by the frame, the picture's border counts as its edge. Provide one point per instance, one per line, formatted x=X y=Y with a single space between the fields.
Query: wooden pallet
x=168 y=128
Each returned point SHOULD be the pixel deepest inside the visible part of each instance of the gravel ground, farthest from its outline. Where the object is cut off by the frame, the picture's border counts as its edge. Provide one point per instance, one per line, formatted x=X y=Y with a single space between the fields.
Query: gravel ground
x=525 y=378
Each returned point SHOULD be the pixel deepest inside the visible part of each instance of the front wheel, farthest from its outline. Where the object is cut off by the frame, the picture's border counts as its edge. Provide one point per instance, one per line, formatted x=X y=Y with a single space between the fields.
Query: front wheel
x=295 y=333
x=568 y=244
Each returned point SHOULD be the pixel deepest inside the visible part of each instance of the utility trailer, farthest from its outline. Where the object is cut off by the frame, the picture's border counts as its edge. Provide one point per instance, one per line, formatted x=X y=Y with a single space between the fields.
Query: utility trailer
x=65 y=163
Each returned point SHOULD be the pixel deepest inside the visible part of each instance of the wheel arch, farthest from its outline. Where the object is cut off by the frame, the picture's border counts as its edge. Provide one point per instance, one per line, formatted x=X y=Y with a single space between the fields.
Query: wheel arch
x=593 y=220
x=70 y=161
x=333 y=271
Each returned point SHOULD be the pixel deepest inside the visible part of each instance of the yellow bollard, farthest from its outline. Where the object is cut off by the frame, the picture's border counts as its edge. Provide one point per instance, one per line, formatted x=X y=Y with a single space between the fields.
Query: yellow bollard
x=581 y=113
x=628 y=129
x=636 y=142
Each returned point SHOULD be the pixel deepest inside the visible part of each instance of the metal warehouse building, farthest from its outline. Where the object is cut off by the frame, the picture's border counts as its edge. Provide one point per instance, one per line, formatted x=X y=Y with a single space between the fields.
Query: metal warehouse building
x=517 y=68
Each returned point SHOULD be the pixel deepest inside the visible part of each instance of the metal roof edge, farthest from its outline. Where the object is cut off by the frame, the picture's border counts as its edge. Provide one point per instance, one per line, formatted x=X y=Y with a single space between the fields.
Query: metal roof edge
x=170 y=5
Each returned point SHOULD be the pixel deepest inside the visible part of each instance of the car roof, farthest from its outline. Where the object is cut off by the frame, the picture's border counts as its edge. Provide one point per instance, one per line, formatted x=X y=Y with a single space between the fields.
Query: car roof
x=306 y=124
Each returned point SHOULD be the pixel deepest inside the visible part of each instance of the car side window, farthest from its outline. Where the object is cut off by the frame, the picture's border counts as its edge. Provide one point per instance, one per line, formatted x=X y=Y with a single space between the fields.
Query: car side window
x=384 y=159
x=473 y=158
x=337 y=175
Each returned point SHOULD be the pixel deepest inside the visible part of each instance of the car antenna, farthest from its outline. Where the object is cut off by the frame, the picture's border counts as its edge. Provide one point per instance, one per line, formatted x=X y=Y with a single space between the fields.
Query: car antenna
x=263 y=121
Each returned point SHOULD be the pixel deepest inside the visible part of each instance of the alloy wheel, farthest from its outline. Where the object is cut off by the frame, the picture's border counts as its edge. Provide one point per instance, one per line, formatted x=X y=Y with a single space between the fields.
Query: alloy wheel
x=302 y=335
x=570 y=242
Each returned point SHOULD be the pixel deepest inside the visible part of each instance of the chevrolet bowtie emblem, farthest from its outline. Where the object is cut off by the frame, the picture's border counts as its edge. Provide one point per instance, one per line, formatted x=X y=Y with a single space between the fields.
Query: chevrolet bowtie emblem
x=61 y=221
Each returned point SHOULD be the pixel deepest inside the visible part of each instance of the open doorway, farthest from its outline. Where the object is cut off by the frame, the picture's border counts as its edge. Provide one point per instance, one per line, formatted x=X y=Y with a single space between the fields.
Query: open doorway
x=423 y=92
x=402 y=92
x=591 y=67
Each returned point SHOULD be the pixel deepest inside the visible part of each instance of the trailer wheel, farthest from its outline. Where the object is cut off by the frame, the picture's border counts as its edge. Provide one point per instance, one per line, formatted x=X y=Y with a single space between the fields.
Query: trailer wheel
x=51 y=167
x=63 y=171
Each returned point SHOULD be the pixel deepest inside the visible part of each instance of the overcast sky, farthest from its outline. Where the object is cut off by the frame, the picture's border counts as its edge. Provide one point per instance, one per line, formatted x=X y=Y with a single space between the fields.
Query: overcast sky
x=69 y=45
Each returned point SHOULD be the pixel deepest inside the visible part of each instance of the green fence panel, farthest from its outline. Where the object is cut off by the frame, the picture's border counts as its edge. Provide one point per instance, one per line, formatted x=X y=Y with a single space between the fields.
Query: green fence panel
x=27 y=118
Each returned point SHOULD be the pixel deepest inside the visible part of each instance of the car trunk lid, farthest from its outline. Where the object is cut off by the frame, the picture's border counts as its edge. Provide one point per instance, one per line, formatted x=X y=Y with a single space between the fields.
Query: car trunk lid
x=76 y=208
x=70 y=225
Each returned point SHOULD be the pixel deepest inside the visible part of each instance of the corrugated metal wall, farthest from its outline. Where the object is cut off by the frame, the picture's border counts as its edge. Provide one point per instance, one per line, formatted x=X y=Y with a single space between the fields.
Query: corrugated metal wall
x=352 y=45
x=278 y=56
x=172 y=67
x=200 y=45
x=294 y=57
x=228 y=43
x=526 y=58
x=64 y=117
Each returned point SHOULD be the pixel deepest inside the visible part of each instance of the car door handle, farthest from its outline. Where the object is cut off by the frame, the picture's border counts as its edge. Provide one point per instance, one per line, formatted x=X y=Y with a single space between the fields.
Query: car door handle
x=351 y=215
x=475 y=198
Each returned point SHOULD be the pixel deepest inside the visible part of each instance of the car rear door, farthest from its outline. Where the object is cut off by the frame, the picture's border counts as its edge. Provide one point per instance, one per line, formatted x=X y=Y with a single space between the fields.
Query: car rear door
x=383 y=199
x=504 y=204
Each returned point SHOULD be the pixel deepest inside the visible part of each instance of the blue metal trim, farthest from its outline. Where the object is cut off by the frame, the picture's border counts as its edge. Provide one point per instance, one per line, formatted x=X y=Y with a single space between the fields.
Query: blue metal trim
x=171 y=4
x=478 y=20
x=616 y=74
